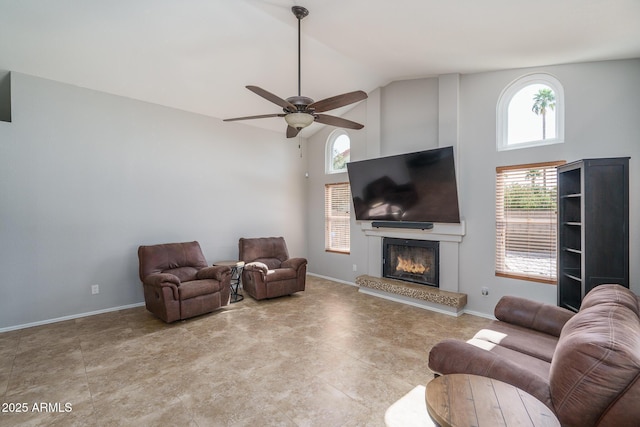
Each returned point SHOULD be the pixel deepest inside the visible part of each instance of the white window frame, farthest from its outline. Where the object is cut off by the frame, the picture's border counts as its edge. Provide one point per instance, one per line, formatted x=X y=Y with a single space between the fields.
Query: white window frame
x=329 y=151
x=502 y=111
x=337 y=222
x=523 y=234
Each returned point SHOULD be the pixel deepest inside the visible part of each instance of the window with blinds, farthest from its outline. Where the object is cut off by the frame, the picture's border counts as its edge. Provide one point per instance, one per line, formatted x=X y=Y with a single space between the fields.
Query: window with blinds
x=526 y=221
x=337 y=208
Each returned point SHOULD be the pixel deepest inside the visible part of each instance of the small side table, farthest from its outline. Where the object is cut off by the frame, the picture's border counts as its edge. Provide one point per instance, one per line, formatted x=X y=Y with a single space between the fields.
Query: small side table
x=462 y=400
x=236 y=274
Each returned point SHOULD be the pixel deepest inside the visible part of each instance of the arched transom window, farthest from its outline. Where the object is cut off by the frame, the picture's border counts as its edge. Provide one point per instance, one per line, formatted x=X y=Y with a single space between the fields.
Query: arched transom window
x=530 y=113
x=338 y=151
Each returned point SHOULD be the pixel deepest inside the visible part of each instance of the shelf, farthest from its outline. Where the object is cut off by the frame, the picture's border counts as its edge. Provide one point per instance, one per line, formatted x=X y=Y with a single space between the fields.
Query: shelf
x=571 y=307
x=574 y=251
x=572 y=277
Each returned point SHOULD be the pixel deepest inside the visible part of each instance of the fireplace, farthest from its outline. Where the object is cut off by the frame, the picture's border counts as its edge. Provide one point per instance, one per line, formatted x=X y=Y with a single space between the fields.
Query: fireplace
x=416 y=261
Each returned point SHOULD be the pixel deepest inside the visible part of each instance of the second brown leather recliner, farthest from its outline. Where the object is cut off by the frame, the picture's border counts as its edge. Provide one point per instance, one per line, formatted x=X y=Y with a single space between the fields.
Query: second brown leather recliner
x=268 y=270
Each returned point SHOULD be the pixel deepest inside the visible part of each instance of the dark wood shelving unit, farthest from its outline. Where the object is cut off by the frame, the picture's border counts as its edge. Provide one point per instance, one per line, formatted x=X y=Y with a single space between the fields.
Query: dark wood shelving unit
x=593 y=227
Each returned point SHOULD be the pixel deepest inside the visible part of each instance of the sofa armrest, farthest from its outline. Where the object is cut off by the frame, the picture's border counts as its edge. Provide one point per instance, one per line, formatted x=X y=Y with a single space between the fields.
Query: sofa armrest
x=158 y=279
x=294 y=263
x=161 y=280
x=216 y=272
x=452 y=356
x=545 y=318
x=256 y=266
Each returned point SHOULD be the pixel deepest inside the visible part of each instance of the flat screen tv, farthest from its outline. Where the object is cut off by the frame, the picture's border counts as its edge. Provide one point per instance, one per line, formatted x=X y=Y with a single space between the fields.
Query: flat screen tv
x=412 y=187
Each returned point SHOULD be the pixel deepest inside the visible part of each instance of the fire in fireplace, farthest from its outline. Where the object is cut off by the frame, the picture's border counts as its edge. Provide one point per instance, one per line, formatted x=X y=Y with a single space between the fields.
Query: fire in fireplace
x=414 y=261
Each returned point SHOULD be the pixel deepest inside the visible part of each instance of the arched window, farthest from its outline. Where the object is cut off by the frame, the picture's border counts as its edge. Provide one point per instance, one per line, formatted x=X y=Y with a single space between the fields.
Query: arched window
x=338 y=151
x=530 y=113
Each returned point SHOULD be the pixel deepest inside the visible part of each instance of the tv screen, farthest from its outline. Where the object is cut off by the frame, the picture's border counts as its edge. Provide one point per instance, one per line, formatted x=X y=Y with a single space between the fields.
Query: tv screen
x=416 y=187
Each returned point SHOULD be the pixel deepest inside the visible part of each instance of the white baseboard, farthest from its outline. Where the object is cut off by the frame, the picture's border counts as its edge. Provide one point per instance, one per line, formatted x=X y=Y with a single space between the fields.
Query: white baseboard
x=71 y=317
x=479 y=314
x=333 y=279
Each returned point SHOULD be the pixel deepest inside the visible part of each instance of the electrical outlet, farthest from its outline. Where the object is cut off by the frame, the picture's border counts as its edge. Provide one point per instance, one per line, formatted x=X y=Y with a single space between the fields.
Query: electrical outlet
x=485 y=291
x=95 y=289
x=355 y=267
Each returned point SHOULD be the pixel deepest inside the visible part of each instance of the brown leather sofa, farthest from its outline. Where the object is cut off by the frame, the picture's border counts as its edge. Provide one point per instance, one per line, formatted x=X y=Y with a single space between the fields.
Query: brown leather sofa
x=179 y=284
x=584 y=366
x=268 y=270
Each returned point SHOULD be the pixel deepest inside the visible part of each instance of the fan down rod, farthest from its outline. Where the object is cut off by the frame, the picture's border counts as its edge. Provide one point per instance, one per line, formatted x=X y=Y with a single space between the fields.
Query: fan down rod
x=299 y=12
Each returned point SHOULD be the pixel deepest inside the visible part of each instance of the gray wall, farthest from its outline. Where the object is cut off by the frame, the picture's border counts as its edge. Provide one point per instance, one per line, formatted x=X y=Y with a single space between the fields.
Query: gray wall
x=602 y=107
x=409 y=116
x=331 y=264
x=86 y=177
x=602 y=111
x=399 y=118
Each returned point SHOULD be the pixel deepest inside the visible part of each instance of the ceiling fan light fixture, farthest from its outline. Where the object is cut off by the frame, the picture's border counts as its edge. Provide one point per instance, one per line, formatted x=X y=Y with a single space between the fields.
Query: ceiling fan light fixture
x=300 y=111
x=299 y=120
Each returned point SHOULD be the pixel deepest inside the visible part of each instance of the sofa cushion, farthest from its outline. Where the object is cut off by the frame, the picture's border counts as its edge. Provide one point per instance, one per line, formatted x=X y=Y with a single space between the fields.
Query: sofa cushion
x=271 y=263
x=170 y=256
x=532 y=364
x=198 y=288
x=532 y=315
x=528 y=341
x=281 y=274
x=597 y=360
x=185 y=274
x=263 y=247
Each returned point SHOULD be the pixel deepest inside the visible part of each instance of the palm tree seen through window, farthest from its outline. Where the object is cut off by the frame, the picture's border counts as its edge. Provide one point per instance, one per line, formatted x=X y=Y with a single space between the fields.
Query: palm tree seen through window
x=525 y=109
x=544 y=100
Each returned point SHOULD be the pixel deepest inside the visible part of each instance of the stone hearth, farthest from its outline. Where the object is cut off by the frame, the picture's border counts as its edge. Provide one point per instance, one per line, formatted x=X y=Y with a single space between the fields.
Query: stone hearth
x=444 y=299
x=410 y=293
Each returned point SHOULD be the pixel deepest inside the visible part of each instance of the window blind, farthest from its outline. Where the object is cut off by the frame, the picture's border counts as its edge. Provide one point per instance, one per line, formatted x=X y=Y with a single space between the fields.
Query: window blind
x=337 y=209
x=526 y=221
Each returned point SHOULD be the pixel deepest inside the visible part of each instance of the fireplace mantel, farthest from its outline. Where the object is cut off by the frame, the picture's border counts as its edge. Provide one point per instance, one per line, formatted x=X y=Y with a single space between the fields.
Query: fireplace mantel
x=440 y=232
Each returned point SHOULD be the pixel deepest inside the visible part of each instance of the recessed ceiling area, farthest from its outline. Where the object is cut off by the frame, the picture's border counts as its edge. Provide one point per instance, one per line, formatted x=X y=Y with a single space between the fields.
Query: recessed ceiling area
x=199 y=55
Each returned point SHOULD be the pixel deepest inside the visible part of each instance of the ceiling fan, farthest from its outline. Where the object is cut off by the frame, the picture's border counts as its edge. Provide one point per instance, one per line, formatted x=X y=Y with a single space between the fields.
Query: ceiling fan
x=300 y=111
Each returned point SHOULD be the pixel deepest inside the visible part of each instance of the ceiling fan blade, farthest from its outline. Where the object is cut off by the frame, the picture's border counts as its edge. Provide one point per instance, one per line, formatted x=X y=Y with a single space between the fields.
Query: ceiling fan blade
x=292 y=132
x=273 y=98
x=337 y=121
x=338 y=101
x=262 y=116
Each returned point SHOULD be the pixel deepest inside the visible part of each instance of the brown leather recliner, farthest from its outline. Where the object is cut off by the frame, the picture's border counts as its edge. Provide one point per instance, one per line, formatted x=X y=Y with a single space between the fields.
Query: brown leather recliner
x=178 y=283
x=583 y=366
x=268 y=270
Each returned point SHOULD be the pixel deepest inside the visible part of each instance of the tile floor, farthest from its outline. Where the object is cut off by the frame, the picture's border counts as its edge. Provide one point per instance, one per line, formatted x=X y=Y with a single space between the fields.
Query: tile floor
x=329 y=356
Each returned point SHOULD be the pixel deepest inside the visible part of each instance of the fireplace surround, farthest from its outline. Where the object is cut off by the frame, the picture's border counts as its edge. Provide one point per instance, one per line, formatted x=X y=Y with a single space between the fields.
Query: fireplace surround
x=416 y=261
x=445 y=298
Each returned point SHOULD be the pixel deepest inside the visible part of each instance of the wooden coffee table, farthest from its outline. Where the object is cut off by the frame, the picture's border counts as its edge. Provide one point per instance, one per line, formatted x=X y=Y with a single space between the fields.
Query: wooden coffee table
x=462 y=400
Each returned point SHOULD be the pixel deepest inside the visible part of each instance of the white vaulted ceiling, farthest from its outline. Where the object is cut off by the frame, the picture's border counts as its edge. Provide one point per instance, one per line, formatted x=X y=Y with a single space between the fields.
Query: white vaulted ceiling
x=199 y=55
